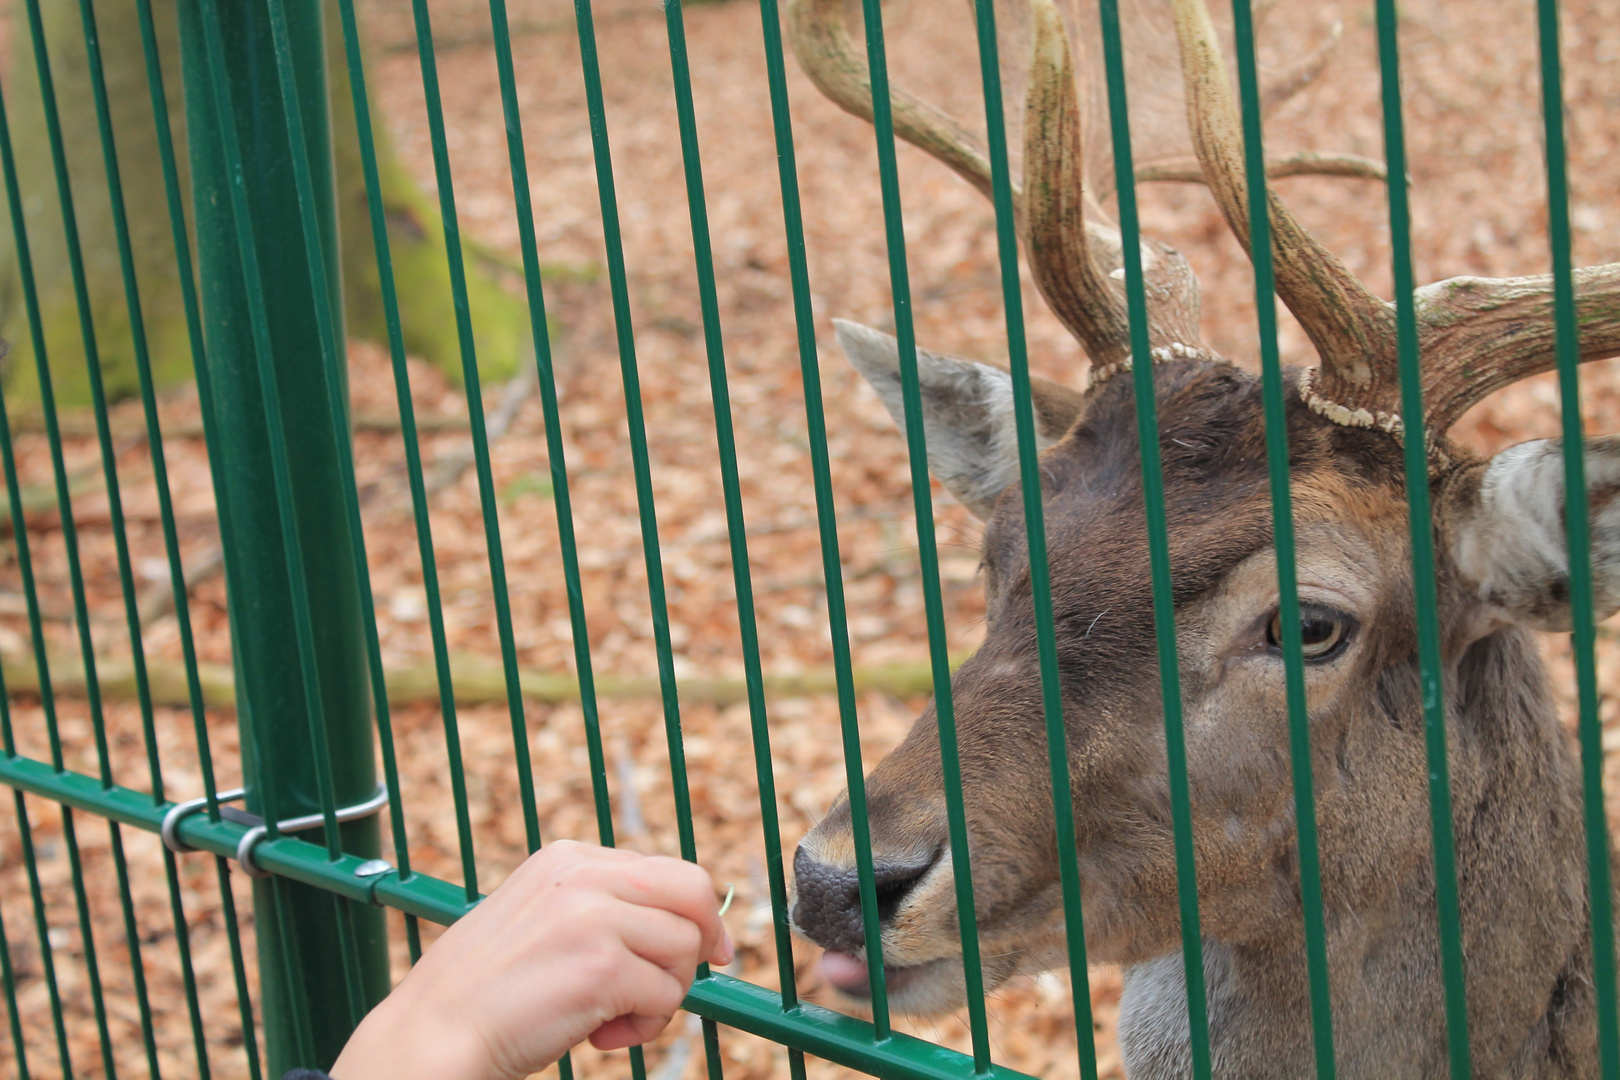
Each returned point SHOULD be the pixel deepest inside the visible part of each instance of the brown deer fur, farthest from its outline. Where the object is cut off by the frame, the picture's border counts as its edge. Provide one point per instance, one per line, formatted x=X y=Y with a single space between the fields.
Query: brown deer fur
x=1515 y=791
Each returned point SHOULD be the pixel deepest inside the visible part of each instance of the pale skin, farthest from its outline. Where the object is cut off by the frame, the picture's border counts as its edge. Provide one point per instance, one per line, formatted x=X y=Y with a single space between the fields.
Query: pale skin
x=581 y=942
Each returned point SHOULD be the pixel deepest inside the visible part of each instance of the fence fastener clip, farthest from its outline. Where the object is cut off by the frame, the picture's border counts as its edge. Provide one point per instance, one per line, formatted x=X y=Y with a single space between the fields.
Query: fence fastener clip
x=373 y=872
x=251 y=838
x=170 y=829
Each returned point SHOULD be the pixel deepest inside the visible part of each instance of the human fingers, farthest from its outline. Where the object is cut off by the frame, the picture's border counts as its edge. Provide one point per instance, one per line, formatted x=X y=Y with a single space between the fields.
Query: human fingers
x=659 y=882
x=560 y=854
x=545 y=1006
x=536 y=880
x=586 y=850
x=626 y=1031
x=645 y=996
x=671 y=941
x=567 y=875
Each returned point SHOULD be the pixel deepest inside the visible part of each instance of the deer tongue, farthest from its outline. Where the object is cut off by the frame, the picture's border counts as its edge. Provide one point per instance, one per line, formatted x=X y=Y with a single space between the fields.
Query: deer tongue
x=847 y=973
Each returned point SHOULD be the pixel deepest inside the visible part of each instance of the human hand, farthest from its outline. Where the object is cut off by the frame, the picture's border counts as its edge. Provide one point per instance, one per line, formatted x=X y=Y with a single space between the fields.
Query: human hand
x=580 y=942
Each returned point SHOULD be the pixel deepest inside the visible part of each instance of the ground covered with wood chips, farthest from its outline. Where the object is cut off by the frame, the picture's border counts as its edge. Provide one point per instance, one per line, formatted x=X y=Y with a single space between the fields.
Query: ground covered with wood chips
x=1478 y=198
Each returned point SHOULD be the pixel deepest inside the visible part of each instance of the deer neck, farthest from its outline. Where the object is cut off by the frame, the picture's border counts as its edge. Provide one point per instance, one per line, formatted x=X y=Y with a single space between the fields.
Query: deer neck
x=1521 y=878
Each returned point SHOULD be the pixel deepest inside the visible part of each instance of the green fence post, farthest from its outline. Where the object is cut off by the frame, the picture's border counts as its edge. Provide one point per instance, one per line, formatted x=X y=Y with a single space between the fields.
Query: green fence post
x=312 y=952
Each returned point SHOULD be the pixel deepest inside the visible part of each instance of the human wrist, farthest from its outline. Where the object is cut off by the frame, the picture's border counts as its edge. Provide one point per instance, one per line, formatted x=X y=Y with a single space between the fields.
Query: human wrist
x=399 y=1041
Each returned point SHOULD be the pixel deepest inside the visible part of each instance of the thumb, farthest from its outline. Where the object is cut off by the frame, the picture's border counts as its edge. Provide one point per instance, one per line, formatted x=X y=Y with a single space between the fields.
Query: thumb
x=724 y=951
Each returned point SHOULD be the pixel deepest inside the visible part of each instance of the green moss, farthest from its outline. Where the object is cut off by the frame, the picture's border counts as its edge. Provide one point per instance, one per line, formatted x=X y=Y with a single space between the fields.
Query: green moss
x=1597 y=308
x=421 y=268
x=421 y=271
x=500 y=317
x=167 y=344
x=526 y=485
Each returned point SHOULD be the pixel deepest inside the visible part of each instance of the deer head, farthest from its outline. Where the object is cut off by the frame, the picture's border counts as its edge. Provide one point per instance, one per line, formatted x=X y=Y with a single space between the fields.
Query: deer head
x=1500 y=544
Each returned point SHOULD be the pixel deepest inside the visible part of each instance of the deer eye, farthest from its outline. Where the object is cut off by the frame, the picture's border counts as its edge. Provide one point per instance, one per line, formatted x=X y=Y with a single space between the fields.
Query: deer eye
x=1323 y=632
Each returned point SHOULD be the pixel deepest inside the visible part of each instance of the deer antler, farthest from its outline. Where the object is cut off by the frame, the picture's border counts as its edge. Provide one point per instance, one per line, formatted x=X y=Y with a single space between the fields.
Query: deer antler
x=1277 y=92
x=1349 y=326
x=816 y=31
x=1188 y=170
x=1300 y=74
x=1073 y=249
x=1070 y=274
x=1478 y=335
x=1475 y=335
x=1074 y=254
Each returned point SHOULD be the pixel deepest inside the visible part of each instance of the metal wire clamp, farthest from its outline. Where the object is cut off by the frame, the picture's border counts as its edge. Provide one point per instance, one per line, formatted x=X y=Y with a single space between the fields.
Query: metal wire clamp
x=251 y=838
x=170 y=829
x=258 y=829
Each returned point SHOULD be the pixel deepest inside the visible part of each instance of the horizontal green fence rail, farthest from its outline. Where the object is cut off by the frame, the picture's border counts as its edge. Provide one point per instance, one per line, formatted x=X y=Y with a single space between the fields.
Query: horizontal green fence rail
x=804 y=1027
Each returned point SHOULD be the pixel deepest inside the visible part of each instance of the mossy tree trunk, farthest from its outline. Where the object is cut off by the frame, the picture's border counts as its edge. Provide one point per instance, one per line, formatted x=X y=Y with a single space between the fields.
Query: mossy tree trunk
x=415 y=231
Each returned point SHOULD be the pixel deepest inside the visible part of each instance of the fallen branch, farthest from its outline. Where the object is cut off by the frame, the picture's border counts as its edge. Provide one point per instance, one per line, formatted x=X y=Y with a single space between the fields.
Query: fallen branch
x=158 y=600
x=633 y=823
x=476 y=682
x=39 y=500
x=447 y=470
x=82 y=425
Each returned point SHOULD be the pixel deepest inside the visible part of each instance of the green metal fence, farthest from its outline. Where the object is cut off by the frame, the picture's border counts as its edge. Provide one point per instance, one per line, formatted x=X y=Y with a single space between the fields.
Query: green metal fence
x=263 y=311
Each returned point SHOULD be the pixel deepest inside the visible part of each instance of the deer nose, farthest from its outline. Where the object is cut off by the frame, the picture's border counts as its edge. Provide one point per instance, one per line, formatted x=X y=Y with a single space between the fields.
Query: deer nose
x=829 y=907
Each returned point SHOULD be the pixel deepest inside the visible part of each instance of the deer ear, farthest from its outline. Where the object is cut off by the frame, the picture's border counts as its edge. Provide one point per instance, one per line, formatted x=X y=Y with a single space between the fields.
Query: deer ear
x=967 y=413
x=1510 y=543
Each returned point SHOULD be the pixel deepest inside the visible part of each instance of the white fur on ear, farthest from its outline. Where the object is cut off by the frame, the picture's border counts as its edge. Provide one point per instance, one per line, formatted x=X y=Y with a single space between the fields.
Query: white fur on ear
x=1511 y=542
x=967 y=414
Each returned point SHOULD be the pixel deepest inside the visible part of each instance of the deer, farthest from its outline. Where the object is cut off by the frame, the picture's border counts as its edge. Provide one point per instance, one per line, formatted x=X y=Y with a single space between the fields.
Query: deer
x=1499 y=540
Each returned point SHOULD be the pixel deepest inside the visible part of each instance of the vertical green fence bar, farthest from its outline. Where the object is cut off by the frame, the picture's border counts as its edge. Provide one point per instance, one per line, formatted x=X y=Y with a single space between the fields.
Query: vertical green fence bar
x=475 y=414
x=556 y=454
x=1282 y=517
x=154 y=431
x=69 y=544
x=19 y=531
x=1164 y=610
x=42 y=933
x=335 y=369
x=242 y=119
x=640 y=456
x=736 y=527
x=927 y=546
x=1578 y=534
x=832 y=566
x=1420 y=524
x=1040 y=577
x=8 y=977
x=413 y=472
x=199 y=360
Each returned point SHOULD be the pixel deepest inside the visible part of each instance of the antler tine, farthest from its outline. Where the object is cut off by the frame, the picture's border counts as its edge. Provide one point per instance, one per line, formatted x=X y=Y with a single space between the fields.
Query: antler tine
x=1055 y=227
x=1302 y=73
x=1188 y=170
x=1352 y=329
x=820 y=41
x=1481 y=334
x=1074 y=260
